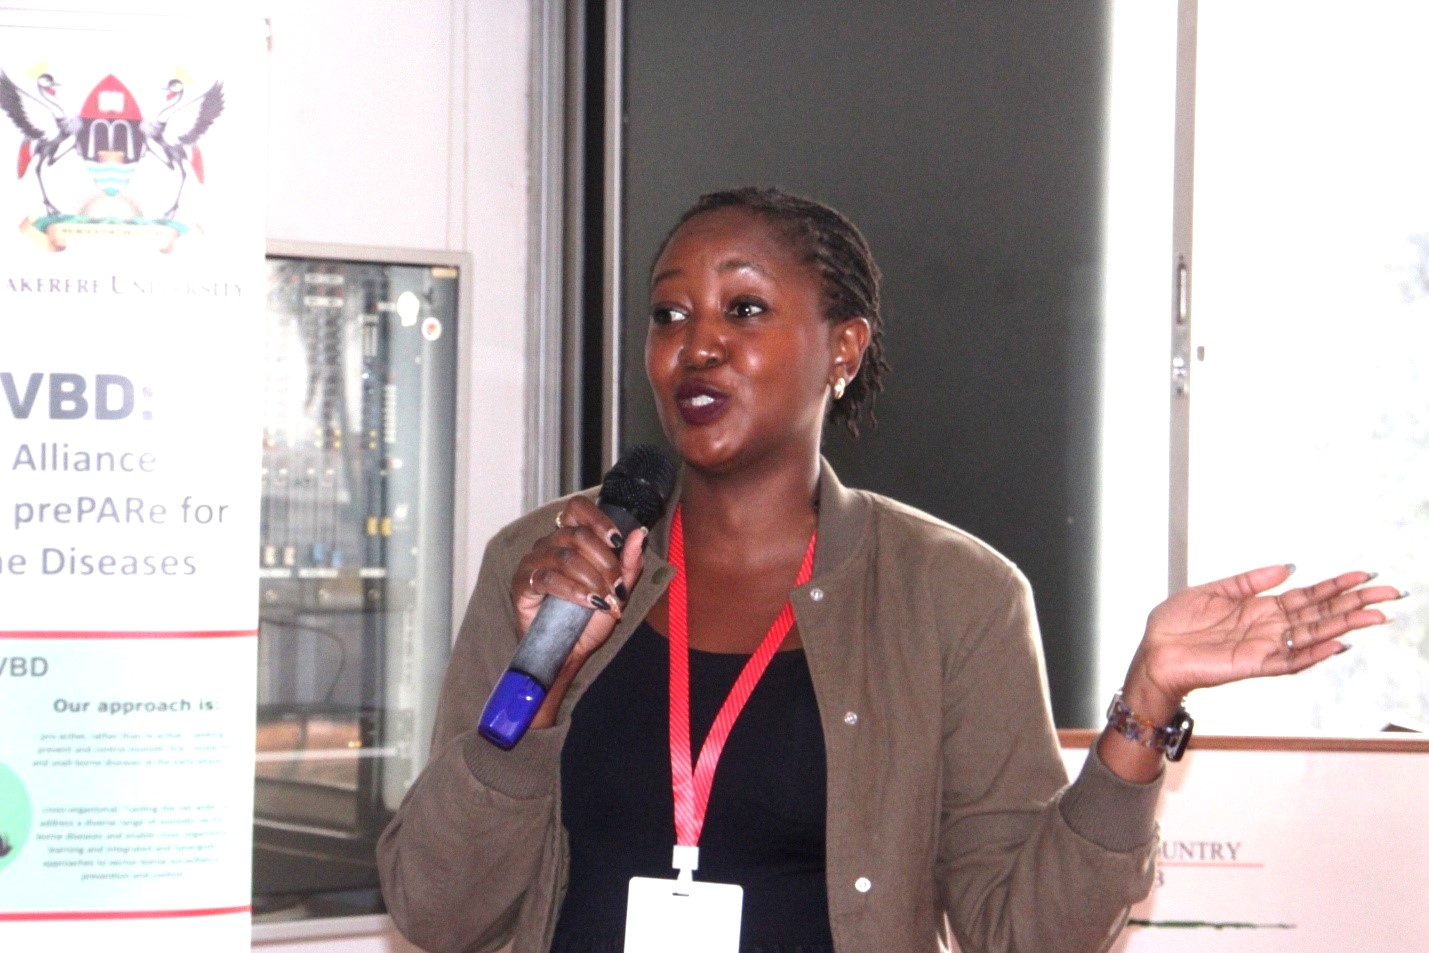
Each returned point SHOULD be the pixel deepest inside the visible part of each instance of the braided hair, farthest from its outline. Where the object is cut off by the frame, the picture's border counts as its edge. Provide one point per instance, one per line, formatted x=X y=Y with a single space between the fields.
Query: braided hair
x=838 y=252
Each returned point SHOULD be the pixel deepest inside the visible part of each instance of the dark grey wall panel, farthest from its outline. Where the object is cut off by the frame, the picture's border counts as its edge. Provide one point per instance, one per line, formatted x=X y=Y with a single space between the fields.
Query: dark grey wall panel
x=966 y=140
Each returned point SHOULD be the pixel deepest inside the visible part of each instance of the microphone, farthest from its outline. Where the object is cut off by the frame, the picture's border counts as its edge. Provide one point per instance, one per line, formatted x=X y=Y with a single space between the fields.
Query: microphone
x=632 y=494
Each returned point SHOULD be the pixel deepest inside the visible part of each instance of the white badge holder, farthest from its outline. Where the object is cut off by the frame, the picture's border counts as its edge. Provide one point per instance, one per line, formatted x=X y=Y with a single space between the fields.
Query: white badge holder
x=682 y=914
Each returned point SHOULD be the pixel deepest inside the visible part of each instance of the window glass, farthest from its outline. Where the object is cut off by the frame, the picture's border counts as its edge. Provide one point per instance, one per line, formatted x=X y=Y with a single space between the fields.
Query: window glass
x=1310 y=374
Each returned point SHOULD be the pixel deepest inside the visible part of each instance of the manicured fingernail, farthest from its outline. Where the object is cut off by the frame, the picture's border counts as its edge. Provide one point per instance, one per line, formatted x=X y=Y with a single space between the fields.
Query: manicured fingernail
x=621 y=592
x=1344 y=647
x=600 y=603
x=1404 y=593
x=1290 y=568
x=616 y=541
x=1372 y=576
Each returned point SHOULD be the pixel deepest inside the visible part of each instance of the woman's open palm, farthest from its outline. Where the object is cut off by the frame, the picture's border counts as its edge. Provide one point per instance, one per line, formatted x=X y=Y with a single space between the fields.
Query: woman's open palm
x=1229 y=630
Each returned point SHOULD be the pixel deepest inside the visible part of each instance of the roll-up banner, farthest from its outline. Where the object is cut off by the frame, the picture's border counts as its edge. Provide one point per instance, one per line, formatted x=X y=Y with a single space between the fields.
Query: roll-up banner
x=131 y=256
x=1274 y=845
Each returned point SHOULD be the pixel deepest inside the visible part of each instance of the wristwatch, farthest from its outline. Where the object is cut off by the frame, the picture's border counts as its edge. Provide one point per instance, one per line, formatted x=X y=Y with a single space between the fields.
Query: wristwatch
x=1172 y=738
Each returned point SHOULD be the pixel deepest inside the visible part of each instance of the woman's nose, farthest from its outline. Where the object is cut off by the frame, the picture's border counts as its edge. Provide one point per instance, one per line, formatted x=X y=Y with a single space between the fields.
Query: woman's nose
x=704 y=343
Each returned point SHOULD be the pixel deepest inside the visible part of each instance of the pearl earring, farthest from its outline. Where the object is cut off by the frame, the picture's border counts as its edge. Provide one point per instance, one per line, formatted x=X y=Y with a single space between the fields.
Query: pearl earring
x=839 y=388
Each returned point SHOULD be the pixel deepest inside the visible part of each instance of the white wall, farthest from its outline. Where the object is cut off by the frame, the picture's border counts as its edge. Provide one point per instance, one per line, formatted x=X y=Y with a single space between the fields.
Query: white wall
x=405 y=123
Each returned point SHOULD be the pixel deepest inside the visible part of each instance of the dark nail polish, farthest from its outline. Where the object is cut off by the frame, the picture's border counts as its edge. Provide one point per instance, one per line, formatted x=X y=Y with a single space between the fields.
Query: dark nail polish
x=621 y=592
x=1344 y=647
x=600 y=603
x=617 y=542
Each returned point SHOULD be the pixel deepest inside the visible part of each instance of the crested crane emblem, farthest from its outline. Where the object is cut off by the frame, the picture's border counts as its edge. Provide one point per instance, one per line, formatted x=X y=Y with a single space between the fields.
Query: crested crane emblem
x=46 y=129
x=111 y=138
x=173 y=135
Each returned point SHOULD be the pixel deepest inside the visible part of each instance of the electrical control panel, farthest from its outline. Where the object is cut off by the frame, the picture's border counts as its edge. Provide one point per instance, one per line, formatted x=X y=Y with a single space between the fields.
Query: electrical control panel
x=354 y=561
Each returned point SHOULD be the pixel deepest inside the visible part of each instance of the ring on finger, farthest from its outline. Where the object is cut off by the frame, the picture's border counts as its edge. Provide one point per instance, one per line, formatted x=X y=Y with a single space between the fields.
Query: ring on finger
x=531 y=581
x=558 y=522
x=1289 y=641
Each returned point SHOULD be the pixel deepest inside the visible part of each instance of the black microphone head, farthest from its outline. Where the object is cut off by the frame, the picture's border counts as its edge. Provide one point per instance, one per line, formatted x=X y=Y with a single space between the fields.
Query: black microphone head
x=639 y=483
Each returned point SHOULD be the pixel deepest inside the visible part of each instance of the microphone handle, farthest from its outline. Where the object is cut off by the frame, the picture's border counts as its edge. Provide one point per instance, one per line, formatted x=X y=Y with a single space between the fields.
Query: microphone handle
x=558 y=625
x=550 y=639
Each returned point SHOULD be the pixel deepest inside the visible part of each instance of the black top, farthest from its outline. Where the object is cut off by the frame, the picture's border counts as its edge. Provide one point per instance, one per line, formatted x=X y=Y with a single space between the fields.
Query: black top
x=764 y=829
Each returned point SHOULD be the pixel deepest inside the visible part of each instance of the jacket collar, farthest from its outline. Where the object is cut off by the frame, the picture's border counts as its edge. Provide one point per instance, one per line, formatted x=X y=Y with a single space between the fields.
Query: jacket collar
x=843 y=520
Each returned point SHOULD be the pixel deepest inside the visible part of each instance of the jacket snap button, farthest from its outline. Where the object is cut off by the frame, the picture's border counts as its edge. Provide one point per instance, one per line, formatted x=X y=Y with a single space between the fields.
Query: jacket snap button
x=850 y=717
x=863 y=885
x=816 y=594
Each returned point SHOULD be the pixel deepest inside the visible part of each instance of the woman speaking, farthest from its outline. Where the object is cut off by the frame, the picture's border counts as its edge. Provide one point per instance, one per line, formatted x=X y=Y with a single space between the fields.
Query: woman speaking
x=832 y=701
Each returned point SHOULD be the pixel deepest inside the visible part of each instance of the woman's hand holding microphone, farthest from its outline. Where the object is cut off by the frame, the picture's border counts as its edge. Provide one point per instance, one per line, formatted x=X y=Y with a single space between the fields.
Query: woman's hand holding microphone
x=585 y=561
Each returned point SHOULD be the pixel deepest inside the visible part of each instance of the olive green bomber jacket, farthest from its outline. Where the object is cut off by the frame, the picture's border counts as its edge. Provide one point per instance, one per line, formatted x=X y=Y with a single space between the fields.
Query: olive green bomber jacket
x=946 y=790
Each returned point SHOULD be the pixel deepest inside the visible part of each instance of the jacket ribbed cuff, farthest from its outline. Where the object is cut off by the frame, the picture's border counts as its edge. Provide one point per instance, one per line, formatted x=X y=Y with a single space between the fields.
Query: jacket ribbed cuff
x=529 y=770
x=1109 y=811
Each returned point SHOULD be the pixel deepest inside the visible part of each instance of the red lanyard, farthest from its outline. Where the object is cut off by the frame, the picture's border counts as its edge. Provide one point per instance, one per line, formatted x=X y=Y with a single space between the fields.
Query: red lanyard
x=692 y=787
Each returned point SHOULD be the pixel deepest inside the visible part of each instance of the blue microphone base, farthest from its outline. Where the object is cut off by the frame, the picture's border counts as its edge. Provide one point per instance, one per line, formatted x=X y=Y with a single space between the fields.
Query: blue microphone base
x=509 y=711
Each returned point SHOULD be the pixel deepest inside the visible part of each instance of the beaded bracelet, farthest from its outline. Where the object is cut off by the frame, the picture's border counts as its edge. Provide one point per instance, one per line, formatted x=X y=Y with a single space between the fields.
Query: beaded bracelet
x=1172 y=738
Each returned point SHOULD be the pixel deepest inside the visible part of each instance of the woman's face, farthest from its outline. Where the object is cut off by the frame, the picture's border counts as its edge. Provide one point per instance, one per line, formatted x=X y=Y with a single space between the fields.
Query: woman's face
x=738 y=352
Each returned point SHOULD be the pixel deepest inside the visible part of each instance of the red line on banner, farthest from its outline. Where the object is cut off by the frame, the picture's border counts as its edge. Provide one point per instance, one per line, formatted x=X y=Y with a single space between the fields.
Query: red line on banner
x=124 y=914
x=223 y=634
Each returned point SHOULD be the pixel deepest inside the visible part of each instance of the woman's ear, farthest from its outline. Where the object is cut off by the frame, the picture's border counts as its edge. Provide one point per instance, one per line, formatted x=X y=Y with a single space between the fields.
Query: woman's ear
x=850 y=339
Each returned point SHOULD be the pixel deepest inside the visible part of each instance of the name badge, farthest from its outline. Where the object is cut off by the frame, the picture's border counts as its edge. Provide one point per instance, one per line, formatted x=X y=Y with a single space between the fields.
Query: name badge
x=686 y=915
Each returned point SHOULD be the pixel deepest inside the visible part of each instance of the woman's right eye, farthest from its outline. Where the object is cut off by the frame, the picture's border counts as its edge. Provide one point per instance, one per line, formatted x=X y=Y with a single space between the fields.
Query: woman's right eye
x=665 y=314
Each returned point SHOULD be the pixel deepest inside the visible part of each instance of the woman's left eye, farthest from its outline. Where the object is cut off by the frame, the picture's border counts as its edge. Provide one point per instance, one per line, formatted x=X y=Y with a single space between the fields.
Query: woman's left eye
x=746 y=308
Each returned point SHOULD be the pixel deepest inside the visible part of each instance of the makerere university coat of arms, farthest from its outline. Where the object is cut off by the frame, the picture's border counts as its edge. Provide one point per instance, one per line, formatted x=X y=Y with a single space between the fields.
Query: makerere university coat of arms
x=110 y=135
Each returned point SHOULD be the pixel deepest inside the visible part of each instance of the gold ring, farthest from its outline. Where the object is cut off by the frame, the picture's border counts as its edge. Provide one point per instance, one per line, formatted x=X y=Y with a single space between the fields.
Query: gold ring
x=558 y=522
